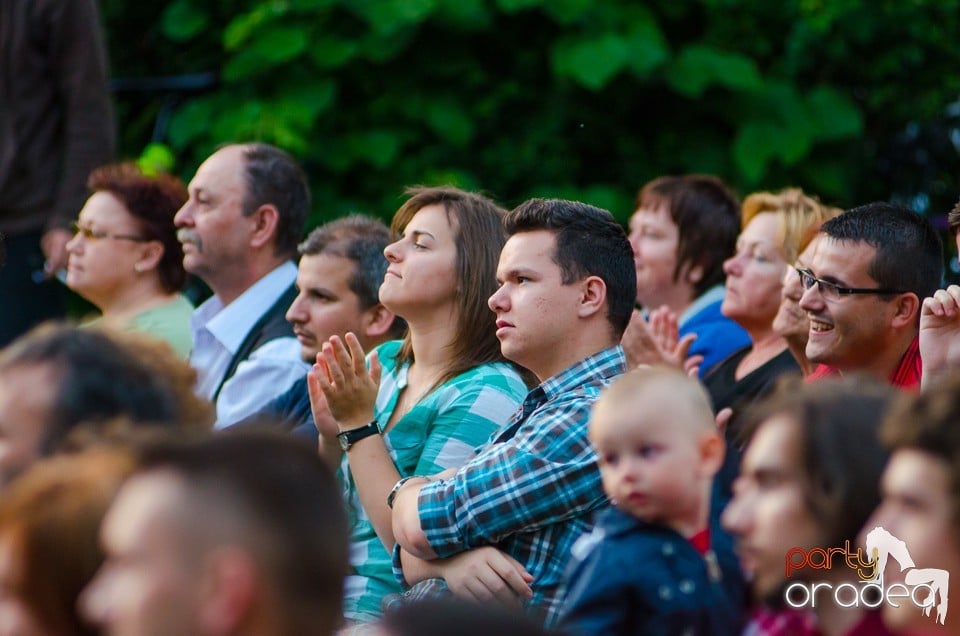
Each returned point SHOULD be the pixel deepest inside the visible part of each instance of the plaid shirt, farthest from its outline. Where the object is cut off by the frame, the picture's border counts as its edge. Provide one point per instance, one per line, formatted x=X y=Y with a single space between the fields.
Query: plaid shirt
x=531 y=491
x=441 y=431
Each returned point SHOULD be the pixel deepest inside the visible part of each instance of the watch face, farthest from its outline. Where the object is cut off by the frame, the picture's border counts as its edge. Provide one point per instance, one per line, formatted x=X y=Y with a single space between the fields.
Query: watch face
x=348 y=438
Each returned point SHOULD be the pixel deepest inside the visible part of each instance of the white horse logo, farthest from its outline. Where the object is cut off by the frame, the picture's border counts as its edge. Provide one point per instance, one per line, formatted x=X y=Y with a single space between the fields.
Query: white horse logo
x=882 y=545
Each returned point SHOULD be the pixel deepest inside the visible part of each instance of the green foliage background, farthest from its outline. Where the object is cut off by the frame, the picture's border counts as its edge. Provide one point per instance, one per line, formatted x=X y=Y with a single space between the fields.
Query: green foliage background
x=589 y=99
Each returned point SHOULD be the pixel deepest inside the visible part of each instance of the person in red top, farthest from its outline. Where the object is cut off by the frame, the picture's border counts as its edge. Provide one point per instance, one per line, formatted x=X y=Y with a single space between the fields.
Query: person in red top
x=863 y=291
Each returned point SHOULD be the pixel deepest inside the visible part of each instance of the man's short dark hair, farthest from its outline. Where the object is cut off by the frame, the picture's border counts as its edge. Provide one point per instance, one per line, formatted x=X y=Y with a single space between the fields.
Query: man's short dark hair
x=361 y=239
x=96 y=380
x=589 y=243
x=909 y=254
x=836 y=423
x=930 y=423
x=274 y=177
x=707 y=216
x=287 y=505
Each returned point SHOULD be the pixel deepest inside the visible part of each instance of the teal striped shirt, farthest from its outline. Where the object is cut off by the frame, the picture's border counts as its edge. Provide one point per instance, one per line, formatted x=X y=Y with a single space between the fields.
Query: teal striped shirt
x=441 y=431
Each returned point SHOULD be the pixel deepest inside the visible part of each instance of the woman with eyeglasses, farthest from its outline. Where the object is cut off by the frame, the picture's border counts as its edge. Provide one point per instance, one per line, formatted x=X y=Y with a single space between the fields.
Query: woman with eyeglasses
x=776 y=227
x=125 y=257
x=791 y=322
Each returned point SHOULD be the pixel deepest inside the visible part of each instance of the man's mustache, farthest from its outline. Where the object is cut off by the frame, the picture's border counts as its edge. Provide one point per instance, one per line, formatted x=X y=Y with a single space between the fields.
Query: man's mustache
x=186 y=235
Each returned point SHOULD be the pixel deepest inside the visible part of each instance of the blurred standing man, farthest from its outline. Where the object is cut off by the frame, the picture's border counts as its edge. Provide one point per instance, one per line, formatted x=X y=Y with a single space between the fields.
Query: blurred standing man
x=240 y=228
x=56 y=126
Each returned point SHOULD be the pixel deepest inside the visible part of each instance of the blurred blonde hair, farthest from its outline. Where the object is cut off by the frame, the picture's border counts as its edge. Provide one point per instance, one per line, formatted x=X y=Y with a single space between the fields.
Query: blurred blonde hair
x=802 y=216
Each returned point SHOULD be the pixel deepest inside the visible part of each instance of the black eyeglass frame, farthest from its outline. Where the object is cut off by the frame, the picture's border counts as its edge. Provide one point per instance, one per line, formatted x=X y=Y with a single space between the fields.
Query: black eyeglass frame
x=808 y=280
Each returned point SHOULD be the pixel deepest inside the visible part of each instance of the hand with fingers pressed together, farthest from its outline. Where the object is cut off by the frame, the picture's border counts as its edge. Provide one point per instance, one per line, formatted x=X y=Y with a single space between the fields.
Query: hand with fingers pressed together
x=940 y=334
x=348 y=387
x=323 y=419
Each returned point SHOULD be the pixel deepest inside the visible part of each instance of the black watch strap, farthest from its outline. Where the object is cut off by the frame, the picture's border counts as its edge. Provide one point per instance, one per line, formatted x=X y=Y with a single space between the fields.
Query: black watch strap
x=349 y=438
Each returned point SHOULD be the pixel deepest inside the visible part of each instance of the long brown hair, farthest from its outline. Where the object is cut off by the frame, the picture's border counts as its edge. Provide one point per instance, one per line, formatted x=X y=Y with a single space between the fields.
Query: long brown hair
x=479 y=236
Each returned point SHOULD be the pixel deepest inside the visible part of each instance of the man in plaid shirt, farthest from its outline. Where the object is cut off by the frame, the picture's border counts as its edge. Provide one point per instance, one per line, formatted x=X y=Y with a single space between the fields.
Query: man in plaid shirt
x=503 y=525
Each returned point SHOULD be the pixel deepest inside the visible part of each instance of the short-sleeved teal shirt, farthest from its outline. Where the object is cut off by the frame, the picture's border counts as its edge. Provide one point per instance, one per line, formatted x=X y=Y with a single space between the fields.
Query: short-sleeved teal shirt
x=441 y=431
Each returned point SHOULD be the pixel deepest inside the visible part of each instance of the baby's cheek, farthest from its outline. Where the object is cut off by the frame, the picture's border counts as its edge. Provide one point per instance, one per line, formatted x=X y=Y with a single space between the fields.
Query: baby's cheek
x=609 y=482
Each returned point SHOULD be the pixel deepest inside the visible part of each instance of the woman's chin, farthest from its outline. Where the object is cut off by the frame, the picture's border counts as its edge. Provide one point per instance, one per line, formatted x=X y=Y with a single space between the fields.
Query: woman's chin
x=74 y=281
x=78 y=285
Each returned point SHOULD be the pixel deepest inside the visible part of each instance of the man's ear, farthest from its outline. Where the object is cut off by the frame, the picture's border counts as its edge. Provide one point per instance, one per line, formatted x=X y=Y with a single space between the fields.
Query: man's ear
x=906 y=309
x=229 y=590
x=265 y=220
x=593 y=296
x=377 y=321
x=712 y=451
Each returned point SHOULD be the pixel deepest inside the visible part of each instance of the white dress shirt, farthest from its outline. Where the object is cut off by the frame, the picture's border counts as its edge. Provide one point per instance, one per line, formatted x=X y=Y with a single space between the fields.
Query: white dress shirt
x=219 y=331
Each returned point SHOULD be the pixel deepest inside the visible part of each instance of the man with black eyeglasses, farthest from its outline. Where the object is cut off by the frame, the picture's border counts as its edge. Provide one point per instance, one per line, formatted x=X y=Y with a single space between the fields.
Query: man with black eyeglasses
x=863 y=290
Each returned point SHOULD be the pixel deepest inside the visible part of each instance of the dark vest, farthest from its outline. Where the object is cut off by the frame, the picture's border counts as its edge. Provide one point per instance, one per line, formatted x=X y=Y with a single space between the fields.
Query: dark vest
x=272 y=325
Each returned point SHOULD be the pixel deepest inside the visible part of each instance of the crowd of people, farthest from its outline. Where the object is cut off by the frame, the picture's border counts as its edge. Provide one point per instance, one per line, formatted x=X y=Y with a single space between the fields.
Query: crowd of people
x=731 y=418
x=531 y=421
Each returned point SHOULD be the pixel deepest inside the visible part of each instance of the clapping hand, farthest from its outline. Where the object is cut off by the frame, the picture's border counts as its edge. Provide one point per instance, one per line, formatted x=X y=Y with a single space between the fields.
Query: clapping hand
x=940 y=333
x=348 y=386
x=659 y=341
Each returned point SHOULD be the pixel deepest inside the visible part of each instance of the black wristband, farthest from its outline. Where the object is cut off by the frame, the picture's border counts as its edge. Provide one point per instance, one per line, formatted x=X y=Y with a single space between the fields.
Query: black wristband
x=349 y=438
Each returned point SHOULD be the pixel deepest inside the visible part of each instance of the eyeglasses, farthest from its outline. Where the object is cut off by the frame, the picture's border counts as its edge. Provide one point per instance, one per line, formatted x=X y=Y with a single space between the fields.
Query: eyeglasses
x=93 y=235
x=832 y=291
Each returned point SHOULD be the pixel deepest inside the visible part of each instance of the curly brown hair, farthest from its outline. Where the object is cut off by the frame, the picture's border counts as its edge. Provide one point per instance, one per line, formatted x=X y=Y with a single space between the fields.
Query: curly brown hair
x=152 y=201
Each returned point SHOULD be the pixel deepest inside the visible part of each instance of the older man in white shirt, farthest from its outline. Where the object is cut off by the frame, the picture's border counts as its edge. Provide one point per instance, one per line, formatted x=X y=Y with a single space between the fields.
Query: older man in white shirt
x=239 y=229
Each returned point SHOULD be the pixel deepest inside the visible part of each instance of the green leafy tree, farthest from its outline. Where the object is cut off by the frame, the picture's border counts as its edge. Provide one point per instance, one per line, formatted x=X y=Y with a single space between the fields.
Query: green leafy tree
x=572 y=98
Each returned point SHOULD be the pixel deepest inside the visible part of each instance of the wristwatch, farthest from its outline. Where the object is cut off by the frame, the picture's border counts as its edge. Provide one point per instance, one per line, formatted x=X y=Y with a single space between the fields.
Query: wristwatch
x=349 y=438
x=397 y=486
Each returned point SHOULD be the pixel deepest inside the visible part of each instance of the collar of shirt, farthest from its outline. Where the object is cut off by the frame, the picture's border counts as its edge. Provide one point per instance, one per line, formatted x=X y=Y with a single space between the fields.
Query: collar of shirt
x=594 y=368
x=712 y=295
x=230 y=324
x=905 y=376
x=908 y=372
